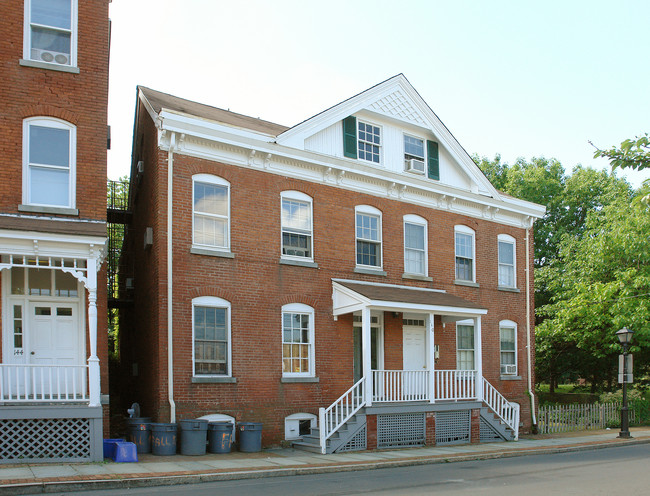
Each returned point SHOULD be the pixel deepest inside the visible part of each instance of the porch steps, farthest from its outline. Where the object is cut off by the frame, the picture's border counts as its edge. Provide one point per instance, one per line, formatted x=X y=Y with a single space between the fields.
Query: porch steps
x=311 y=442
x=497 y=425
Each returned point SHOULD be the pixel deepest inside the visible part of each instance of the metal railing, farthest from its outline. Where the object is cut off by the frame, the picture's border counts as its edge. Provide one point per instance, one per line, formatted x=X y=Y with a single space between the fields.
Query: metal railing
x=21 y=383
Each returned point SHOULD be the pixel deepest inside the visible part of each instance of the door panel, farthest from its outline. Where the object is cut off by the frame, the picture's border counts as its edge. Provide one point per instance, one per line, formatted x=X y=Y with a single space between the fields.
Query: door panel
x=414 y=348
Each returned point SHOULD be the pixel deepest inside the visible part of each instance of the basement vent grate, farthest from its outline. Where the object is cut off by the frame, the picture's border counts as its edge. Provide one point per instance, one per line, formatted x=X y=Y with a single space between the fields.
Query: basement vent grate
x=45 y=439
x=400 y=430
x=453 y=427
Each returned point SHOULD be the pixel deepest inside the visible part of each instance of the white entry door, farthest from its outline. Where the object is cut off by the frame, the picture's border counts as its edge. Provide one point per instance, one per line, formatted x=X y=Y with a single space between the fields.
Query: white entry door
x=414 y=348
x=55 y=340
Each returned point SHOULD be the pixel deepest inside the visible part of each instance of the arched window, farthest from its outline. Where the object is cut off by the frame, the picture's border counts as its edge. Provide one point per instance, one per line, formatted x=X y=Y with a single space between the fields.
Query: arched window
x=465 y=254
x=49 y=162
x=51 y=32
x=415 y=245
x=297 y=226
x=297 y=340
x=507 y=261
x=368 y=236
x=210 y=212
x=211 y=336
x=508 y=347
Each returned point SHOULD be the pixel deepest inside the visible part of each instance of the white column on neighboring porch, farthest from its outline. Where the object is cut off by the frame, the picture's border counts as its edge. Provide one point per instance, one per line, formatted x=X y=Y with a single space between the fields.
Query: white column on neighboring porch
x=431 y=360
x=478 y=358
x=366 y=347
x=93 y=361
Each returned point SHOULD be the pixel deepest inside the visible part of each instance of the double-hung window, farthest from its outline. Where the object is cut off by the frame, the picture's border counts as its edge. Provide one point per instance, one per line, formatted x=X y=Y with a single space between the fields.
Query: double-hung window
x=414 y=154
x=51 y=31
x=465 y=346
x=49 y=155
x=297 y=242
x=211 y=212
x=464 y=247
x=415 y=245
x=297 y=340
x=368 y=236
x=211 y=336
x=369 y=140
x=506 y=261
x=508 y=339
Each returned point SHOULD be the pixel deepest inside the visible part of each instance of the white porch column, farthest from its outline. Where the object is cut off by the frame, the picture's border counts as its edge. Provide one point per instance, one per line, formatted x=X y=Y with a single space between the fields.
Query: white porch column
x=431 y=361
x=366 y=346
x=478 y=358
x=93 y=361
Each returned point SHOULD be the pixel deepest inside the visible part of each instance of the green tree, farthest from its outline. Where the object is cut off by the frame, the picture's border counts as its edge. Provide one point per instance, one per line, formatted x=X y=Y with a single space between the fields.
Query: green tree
x=632 y=154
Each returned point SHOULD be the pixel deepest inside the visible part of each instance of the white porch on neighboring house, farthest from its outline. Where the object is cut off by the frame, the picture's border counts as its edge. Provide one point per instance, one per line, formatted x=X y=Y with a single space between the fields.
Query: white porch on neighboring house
x=50 y=368
x=419 y=381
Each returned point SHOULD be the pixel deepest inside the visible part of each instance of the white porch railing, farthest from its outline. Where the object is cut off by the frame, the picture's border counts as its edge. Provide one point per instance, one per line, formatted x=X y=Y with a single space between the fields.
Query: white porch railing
x=20 y=383
x=506 y=411
x=338 y=413
x=455 y=385
x=393 y=386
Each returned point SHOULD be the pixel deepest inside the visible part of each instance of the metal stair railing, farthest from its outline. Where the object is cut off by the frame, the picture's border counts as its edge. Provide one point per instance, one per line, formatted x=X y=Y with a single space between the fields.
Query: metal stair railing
x=332 y=418
x=506 y=411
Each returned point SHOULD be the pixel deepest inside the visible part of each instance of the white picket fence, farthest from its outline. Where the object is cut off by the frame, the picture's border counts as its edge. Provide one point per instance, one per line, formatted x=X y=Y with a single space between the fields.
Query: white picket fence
x=578 y=417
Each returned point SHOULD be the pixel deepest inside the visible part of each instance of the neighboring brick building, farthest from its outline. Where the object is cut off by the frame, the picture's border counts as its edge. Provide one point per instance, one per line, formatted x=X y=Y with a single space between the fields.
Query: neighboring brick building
x=363 y=247
x=53 y=138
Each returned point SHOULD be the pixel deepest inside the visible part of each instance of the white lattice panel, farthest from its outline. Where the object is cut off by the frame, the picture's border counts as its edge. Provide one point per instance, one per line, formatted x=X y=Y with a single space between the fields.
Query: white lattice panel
x=401 y=429
x=453 y=427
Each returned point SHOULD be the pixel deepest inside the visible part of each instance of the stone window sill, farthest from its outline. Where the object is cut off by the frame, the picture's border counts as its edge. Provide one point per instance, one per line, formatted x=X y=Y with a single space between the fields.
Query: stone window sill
x=40 y=209
x=459 y=282
x=211 y=253
x=45 y=65
x=214 y=380
x=289 y=380
x=507 y=289
x=298 y=263
x=510 y=377
x=417 y=277
x=370 y=272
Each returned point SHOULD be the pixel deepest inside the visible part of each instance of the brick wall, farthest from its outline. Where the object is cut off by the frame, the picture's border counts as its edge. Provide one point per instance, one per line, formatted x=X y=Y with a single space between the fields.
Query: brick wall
x=257 y=286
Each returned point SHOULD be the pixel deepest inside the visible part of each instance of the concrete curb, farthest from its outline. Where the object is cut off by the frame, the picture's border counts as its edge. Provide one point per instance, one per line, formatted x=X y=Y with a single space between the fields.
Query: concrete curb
x=51 y=486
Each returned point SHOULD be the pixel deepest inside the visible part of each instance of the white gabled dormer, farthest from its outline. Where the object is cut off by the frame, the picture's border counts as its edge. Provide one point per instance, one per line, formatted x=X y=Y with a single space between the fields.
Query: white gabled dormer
x=390 y=127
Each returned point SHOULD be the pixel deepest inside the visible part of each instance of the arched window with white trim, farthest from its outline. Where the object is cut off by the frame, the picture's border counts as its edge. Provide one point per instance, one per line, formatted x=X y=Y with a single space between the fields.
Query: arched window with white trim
x=210 y=212
x=211 y=353
x=507 y=261
x=464 y=238
x=49 y=162
x=297 y=226
x=298 y=340
x=415 y=245
x=50 y=32
x=368 y=236
x=508 y=347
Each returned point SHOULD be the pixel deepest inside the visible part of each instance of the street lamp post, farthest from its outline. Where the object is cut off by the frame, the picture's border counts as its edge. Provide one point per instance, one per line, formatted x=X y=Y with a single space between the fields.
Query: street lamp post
x=625 y=337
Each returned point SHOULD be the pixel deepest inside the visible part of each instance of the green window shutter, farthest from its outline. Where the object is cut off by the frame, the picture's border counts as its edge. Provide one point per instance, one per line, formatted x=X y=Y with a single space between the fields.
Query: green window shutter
x=432 y=159
x=350 y=137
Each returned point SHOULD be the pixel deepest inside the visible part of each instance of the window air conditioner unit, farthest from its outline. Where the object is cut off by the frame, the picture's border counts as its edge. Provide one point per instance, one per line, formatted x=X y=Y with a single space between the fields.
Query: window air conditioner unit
x=51 y=57
x=414 y=165
x=508 y=369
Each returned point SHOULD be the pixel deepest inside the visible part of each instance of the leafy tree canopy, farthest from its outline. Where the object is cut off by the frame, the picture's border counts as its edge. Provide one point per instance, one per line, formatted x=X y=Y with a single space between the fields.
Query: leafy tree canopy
x=632 y=154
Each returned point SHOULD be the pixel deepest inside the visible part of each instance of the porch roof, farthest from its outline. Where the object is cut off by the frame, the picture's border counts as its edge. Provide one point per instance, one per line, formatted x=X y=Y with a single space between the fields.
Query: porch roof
x=352 y=296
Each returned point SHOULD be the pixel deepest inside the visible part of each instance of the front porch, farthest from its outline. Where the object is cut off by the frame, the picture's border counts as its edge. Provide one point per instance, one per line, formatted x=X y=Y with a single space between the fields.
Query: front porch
x=420 y=386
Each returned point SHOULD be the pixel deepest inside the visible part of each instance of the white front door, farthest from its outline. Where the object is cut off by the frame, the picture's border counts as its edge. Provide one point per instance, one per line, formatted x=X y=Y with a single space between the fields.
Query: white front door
x=54 y=338
x=414 y=349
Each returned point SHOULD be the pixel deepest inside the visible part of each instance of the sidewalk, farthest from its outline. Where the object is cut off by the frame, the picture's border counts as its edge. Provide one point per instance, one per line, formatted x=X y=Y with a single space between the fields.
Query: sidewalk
x=153 y=470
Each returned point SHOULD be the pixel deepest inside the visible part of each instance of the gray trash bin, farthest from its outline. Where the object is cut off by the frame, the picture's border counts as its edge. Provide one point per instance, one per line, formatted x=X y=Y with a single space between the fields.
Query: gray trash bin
x=250 y=436
x=219 y=437
x=163 y=439
x=193 y=436
x=140 y=433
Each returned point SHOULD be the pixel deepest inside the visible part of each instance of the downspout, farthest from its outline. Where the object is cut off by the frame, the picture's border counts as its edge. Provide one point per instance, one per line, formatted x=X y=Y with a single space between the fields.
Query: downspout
x=531 y=391
x=170 y=294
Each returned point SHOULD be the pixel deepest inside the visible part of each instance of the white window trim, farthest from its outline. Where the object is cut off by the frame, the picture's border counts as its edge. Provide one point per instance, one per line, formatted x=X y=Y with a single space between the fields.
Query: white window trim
x=380 y=145
x=302 y=197
x=509 y=324
x=368 y=210
x=27 y=38
x=505 y=238
x=420 y=221
x=210 y=179
x=467 y=322
x=469 y=231
x=55 y=124
x=304 y=309
x=424 y=150
x=213 y=301
x=294 y=419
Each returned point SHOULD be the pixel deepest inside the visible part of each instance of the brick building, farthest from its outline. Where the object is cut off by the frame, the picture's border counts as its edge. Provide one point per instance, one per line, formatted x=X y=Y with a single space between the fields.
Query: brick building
x=53 y=139
x=353 y=281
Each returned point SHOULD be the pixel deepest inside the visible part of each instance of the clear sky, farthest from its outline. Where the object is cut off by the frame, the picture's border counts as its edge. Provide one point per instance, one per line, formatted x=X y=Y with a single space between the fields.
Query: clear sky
x=519 y=78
